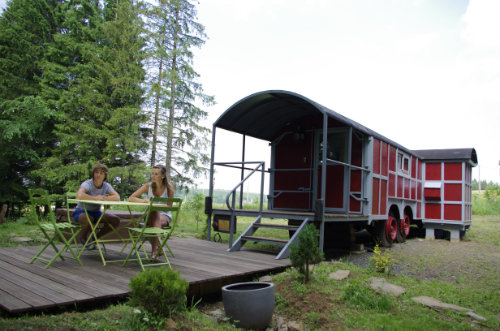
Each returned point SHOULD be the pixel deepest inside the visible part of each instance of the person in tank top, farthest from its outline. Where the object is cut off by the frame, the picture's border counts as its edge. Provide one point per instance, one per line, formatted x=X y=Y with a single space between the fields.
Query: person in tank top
x=158 y=187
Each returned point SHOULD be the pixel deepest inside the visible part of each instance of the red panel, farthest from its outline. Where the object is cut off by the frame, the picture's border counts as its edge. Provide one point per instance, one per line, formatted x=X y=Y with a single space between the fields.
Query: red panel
x=334 y=186
x=453 y=192
x=292 y=200
x=290 y=154
x=413 y=186
x=419 y=191
x=356 y=180
x=376 y=156
x=433 y=171
x=407 y=188
x=383 y=197
x=453 y=212
x=354 y=205
x=392 y=158
x=432 y=193
x=400 y=186
x=413 y=167
x=453 y=171
x=419 y=208
x=385 y=158
x=375 y=196
x=419 y=168
x=433 y=211
x=392 y=185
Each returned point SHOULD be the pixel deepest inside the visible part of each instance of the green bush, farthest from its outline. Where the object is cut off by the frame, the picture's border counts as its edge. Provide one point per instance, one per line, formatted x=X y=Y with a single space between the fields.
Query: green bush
x=307 y=251
x=159 y=291
x=383 y=262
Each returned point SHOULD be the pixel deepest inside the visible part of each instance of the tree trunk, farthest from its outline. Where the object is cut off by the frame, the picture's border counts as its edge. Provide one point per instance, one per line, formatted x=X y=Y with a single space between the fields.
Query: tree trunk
x=171 y=116
x=3 y=211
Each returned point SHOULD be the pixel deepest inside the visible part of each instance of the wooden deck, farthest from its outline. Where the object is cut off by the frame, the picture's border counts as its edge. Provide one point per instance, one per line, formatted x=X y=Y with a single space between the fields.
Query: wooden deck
x=206 y=265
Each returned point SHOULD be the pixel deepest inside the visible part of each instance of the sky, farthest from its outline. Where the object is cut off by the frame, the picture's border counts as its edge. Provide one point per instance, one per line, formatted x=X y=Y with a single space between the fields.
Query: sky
x=423 y=73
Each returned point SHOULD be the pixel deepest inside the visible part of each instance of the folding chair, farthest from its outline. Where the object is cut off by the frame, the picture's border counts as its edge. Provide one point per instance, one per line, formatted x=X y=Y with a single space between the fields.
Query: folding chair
x=51 y=229
x=139 y=235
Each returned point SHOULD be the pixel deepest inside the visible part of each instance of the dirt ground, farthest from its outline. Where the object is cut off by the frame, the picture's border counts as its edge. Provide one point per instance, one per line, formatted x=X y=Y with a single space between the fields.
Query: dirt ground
x=444 y=260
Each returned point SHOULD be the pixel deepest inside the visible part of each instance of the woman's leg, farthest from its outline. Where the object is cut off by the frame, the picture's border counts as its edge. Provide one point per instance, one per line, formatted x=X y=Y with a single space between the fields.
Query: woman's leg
x=157 y=220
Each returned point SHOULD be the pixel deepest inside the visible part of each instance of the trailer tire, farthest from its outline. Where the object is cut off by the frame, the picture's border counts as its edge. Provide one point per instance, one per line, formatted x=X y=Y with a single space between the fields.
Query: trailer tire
x=386 y=231
x=403 y=229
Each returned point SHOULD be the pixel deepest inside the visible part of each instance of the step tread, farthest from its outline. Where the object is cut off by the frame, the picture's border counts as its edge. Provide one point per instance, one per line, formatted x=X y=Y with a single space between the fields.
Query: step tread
x=254 y=238
x=279 y=226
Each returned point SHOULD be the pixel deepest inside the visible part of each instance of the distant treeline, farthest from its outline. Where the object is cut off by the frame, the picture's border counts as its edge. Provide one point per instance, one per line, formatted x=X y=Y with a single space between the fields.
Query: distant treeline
x=219 y=196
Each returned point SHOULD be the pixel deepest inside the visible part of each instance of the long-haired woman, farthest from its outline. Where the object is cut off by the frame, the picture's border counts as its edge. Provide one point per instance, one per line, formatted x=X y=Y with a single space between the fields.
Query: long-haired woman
x=158 y=187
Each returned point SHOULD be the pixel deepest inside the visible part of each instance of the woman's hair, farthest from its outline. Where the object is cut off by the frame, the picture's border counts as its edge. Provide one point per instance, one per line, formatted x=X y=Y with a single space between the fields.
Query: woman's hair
x=100 y=166
x=163 y=169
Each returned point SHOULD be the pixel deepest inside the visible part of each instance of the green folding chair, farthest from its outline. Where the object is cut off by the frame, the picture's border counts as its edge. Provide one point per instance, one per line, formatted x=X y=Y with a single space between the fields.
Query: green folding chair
x=138 y=235
x=65 y=232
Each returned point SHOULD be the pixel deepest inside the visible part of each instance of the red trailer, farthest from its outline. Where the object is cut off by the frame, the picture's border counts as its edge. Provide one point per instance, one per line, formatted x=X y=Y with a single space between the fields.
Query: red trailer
x=340 y=175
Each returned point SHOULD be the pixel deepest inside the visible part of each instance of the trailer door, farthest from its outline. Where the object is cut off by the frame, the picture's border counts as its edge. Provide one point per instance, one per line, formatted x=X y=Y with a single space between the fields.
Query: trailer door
x=337 y=171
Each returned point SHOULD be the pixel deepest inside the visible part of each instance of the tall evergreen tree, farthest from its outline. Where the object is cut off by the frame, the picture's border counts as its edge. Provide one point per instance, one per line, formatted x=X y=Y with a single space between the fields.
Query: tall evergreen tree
x=173 y=33
x=92 y=77
x=120 y=78
x=26 y=27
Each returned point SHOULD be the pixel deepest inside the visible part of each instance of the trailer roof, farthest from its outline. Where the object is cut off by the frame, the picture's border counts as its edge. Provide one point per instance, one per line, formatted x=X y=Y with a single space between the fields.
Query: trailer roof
x=459 y=154
x=264 y=114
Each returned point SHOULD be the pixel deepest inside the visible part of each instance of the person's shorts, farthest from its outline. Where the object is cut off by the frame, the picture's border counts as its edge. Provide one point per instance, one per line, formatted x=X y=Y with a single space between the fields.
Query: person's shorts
x=94 y=214
x=168 y=216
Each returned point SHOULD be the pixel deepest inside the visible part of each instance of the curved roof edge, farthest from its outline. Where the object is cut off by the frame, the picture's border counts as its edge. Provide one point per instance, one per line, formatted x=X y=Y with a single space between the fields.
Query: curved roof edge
x=263 y=114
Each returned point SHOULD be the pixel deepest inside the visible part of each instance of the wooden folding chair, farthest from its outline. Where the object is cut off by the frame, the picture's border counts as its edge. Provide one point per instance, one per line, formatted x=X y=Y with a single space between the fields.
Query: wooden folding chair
x=139 y=235
x=51 y=229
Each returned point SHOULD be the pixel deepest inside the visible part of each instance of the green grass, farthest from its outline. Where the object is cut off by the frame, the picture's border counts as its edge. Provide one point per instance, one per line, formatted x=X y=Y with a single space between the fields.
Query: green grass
x=485 y=229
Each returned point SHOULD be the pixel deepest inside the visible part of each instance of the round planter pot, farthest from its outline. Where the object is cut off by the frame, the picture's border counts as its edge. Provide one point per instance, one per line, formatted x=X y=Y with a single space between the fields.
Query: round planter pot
x=250 y=305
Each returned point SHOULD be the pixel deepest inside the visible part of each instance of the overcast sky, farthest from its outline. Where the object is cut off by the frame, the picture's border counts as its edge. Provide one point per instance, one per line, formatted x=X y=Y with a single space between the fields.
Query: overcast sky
x=424 y=73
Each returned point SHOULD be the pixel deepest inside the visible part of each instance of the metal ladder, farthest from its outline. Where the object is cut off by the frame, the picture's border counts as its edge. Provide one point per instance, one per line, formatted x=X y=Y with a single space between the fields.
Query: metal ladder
x=248 y=235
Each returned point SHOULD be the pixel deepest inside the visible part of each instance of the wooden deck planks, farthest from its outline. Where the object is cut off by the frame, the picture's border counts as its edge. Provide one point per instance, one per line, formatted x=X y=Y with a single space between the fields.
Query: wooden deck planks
x=205 y=265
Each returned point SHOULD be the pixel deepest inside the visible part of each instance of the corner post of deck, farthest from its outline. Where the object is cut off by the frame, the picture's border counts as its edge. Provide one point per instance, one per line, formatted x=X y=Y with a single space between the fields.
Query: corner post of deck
x=323 y=182
x=211 y=183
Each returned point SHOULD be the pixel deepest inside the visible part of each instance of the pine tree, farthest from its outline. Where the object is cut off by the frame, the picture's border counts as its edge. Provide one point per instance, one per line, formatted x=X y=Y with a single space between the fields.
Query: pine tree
x=173 y=89
x=92 y=77
x=26 y=27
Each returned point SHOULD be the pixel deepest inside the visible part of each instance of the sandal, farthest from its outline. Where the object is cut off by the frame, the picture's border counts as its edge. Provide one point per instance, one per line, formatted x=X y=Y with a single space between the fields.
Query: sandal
x=156 y=257
x=90 y=246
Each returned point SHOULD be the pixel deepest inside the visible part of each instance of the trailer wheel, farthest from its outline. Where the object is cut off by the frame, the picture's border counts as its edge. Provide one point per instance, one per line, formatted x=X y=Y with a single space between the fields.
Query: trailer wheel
x=403 y=229
x=386 y=231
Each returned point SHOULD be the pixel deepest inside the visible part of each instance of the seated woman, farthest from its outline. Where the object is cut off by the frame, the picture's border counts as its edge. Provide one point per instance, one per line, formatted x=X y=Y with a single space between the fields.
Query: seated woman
x=158 y=187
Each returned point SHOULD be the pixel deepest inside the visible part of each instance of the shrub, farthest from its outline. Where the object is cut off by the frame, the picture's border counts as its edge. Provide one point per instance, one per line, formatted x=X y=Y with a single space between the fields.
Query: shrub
x=159 y=291
x=383 y=262
x=307 y=251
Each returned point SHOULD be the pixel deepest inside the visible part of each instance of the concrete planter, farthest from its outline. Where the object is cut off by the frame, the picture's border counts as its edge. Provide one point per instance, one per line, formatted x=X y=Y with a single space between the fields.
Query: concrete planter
x=250 y=305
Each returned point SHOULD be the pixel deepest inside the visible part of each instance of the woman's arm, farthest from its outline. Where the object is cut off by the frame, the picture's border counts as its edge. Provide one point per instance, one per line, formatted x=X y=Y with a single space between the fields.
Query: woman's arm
x=136 y=196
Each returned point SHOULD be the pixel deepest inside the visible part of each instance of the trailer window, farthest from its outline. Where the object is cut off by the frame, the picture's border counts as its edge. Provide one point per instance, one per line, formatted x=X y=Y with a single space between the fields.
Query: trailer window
x=404 y=163
x=337 y=146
